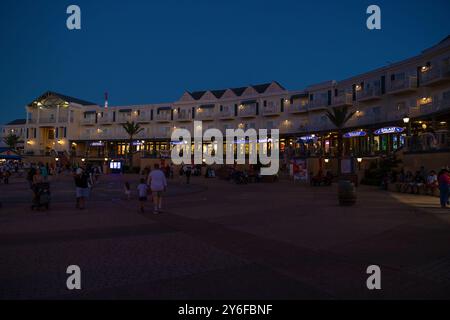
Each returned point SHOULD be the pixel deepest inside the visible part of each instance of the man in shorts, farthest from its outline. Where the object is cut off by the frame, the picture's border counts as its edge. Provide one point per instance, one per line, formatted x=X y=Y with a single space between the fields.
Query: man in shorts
x=158 y=184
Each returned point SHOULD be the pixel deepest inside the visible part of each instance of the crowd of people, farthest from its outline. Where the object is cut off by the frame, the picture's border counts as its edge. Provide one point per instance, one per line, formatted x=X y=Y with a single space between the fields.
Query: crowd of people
x=421 y=182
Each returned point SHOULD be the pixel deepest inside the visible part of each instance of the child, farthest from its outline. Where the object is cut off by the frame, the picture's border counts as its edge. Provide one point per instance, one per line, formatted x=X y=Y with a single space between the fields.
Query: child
x=142 y=190
x=127 y=190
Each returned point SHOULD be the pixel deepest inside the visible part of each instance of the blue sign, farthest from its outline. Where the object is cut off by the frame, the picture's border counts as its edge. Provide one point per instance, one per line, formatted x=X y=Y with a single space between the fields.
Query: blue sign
x=307 y=138
x=388 y=130
x=354 y=134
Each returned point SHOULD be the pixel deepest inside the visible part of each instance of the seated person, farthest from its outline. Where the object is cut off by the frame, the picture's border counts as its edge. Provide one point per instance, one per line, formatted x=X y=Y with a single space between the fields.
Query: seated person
x=417 y=183
x=432 y=182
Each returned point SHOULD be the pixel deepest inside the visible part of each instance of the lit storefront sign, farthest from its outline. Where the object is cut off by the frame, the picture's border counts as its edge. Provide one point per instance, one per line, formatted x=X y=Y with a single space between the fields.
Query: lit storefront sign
x=355 y=134
x=307 y=138
x=388 y=130
x=97 y=144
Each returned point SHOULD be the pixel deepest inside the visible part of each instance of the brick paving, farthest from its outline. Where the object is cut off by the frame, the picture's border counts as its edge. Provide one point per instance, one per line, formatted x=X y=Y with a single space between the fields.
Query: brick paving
x=217 y=240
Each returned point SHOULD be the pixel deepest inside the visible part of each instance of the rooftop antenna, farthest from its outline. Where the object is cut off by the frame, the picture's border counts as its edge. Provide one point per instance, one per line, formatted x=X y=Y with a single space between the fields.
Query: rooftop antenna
x=106 y=100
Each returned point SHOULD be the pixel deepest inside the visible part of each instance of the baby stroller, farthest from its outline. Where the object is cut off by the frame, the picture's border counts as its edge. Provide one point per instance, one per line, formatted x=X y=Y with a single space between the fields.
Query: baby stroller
x=41 y=196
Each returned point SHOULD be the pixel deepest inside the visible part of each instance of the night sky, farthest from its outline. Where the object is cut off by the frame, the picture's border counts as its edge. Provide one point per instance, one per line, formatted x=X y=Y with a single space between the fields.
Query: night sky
x=152 y=51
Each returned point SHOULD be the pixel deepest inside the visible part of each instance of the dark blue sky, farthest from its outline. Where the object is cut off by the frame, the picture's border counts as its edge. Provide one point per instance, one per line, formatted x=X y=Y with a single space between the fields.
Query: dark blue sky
x=151 y=51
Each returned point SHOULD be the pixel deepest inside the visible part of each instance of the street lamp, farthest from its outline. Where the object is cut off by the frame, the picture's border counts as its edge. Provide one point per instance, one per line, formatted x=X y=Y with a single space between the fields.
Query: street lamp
x=406 y=119
x=359 y=162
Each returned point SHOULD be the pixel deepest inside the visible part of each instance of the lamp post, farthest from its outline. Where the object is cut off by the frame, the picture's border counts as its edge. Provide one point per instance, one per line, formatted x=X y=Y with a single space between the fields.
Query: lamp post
x=407 y=121
x=359 y=160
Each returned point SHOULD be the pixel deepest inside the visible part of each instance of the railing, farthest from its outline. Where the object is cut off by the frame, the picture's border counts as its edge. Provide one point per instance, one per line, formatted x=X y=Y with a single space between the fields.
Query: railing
x=434 y=74
x=104 y=120
x=295 y=108
x=342 y=100
x=47 y=120
x=204 y=115
x=88 y=121
x=409 y=83
x=182 y=115
x=273 y=110
x=369 y=94
x=316 y=104
x=247 y=111
x=226 y=114
x=163 y=117
x=143 y=118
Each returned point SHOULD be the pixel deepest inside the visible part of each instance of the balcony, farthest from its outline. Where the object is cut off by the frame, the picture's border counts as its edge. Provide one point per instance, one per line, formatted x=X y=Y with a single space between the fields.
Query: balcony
x=316 y=105
x=88 y=121
x=435 y=76
x=163 y=117
x=369 y=94
x=271 y=111
x=142 y=118
x=124 y=118
x=226 y=114
x=297 y=108
x=47 y=120
x=247 y=111
x=106 y=119
x=205 y=115
x=182 y=115
x=403 y=85
x=342 y=100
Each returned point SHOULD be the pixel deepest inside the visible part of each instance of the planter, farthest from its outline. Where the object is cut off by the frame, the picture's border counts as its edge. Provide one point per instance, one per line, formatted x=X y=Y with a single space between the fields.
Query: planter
x=346 y=193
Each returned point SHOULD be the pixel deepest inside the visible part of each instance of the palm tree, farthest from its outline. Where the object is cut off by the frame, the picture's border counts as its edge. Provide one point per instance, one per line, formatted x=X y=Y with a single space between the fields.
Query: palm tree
x=339 y=117
x=11 y=141
x=132 y=129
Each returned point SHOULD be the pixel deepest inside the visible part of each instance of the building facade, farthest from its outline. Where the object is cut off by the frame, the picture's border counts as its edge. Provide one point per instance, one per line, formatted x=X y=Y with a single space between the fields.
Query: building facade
x=403 y=105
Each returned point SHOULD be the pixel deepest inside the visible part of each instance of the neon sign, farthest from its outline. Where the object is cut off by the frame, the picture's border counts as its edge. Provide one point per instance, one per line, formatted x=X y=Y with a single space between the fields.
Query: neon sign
x=388 y=130
x=354 y=134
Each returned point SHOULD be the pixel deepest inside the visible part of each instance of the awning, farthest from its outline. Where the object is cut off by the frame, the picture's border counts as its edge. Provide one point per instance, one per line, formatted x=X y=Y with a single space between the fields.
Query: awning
x=125 y=110
x=90 y=112
x=164 y=108
x=248 y=102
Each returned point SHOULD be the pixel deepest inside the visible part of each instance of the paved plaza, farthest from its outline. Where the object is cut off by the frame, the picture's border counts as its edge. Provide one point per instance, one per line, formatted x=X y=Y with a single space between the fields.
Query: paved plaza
x=218 y=240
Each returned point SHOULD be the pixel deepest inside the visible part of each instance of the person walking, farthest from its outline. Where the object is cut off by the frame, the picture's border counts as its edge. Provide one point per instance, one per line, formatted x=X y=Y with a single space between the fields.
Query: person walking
x=187 y=170
x=142 y=191
x=444 y=184
x=81 y=188
x=158 y=184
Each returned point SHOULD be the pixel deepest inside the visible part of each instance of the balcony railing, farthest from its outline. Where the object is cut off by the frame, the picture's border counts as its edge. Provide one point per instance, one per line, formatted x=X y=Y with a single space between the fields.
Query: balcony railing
x=163 y=117
x=105 y=120
x=369 y=94
x=435 y=75
x=316 y=105
x=142 y=118
x=247 y=111
x=342 y=100
x=182 y=115
x=402 y=85
x=205 y=115
x=297 y=108
x=88 y=121
x=271 y=111
x=226 y=114
x=46 y=120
